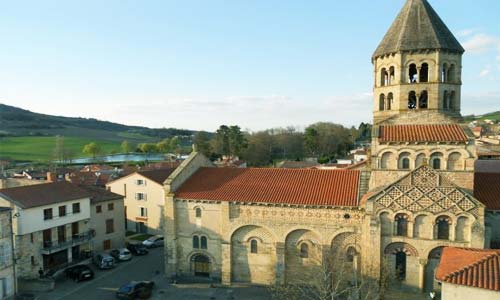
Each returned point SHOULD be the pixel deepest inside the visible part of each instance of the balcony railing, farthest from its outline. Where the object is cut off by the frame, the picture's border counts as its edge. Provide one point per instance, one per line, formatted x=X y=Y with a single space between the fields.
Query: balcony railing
x=77 y=239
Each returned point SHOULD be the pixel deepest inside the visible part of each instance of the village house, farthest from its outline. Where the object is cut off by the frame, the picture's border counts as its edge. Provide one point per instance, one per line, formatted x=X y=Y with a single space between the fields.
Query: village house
x=7 y=274
x=51 y=225
x=469 y=274
x=144 y=199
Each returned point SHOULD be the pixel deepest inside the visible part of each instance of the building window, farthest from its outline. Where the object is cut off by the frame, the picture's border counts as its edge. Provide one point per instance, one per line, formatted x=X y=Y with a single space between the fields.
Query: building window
x=412 y=74
x=436 y=163
x=412 y=100
x=61 y=234
x=196 y=242
x=401 y=225
x=47 y=214
x=401 y=265
x=106 y=245
x=62 y=211
x=203 y=242
x=423 y=100
x=98 y=209
x=140 y=182
x=143 y=211
x=253 y=246
x=424 y=73
x=443 y=228
x=381 y=102
x=198 y=212
x=111 y=206
x=76 y=208
x=110 y=226
x=304 y=250
x=75 y=230
x=350 y=254
x=140 y=196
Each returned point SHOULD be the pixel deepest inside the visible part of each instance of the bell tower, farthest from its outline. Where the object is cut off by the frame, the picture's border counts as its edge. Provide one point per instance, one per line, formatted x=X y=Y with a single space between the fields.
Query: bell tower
x=417 y=69
x=416 y=105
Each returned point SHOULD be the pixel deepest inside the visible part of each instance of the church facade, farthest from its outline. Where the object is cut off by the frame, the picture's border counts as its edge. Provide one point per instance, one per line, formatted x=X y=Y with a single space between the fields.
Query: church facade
x=416 y=195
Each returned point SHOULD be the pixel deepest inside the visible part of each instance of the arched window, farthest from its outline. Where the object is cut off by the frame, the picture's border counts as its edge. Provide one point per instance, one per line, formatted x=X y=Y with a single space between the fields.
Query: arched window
x=204 y=242
x=422 y=101
x=401 y=265
x=253 y=246
x=455 y=162
x=196 y=242
x=424 y=73
x=412 y=100
x=451 y=73
x=444 y=73
x=304 y=250
x=391 y=75
x=389 y=101
x=462 y=229
x=388 y=161
x=446 y=100
x=404 y=161
x=350 y=254
x=198 y=212
x=420 y=160
x=412 y=74
x=443 y=228
x=452 y=104
x=401 y=224
x=435 y=160
x=383 y=77
x=381 y=102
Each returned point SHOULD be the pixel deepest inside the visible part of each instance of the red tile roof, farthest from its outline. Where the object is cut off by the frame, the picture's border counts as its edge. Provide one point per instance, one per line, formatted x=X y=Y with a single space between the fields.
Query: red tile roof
x=487 y=189
x=273 y=185
x=43 y=194
x=422 y=133
x=478 y=268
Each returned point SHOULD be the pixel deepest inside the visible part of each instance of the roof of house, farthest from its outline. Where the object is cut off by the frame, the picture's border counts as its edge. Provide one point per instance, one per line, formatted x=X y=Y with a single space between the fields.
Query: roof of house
x=157 y=175
x=487 y=166
x=422 y=133
x=417 y=27
x=289 y=164
x=43 y=194
x=487 y=189
x=478 y=268
x=273 y=185
x=98 y=194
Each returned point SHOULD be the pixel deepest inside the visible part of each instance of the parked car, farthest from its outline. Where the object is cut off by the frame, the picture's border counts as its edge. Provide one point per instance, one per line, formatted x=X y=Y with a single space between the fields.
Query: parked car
x=154 y=241
x=79 y=273
x=121 y=254
x=137 y=249
x=135 y=289
x=104 y=261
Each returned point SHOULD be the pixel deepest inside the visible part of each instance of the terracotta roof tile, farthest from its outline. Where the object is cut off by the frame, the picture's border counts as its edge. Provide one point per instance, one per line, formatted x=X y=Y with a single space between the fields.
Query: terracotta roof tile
x=487 y=189
x=273 y=185
x=422 y=133
x=478 y=268
x=43 y=194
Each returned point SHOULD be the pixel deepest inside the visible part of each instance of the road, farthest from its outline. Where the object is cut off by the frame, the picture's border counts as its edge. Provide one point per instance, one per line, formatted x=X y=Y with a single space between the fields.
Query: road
x=106 y=282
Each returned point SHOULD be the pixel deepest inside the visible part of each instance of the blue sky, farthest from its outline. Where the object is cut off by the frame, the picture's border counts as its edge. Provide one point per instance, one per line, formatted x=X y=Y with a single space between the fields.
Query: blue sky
x=199 y=64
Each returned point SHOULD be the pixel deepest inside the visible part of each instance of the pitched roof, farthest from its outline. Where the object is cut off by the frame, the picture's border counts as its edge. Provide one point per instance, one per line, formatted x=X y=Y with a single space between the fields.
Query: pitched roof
x=417 y=27
x=289 y=164
x=478 y=268
x=487 y=189
x=422 y=133
x=273 y=185
x=43 y=194
x=98 y=194
x=158 y=175
x=487 y=166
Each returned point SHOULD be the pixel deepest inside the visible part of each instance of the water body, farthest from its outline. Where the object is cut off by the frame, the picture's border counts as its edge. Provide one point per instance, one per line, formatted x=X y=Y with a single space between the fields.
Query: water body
x=121 y=158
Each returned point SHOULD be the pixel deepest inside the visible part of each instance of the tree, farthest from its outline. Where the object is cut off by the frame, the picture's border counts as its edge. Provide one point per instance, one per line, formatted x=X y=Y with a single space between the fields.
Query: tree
x=92 y=149
x=230 y=141
x=147 y=147
x=163 y=146
x=311 y=140
x=222 y=140
x=125 y=146
x=202 y=142
x=175 y=144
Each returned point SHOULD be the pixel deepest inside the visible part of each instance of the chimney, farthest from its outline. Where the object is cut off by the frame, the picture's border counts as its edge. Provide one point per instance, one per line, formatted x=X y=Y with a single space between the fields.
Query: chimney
x=51 y=177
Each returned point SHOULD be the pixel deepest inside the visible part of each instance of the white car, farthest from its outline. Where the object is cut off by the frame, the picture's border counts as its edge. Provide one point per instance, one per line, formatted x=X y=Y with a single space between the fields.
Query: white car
x=154 y=241
x=122 y=254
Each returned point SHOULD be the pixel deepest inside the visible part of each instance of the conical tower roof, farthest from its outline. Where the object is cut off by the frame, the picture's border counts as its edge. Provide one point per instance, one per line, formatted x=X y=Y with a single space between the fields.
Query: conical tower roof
x=417 y=27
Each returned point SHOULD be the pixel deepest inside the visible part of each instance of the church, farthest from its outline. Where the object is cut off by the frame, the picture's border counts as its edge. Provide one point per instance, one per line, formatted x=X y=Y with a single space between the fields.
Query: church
x=412 y=197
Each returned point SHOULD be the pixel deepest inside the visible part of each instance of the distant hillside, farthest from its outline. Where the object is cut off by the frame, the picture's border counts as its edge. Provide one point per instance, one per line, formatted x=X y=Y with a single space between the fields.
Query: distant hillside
x=20 y=122
x=489 y=116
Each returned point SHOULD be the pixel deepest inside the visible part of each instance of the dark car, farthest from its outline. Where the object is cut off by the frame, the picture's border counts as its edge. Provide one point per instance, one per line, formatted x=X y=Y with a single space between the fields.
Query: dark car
x=135 y=289
x=79 y=273
x=137 y=249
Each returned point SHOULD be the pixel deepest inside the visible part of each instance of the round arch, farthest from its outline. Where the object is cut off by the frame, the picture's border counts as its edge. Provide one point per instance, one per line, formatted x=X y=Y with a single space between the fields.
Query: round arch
x=397 y=247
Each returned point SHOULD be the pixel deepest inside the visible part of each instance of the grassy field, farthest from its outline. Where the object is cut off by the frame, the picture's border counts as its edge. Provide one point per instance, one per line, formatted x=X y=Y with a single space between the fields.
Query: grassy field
x=490 y=116
x=41 y=148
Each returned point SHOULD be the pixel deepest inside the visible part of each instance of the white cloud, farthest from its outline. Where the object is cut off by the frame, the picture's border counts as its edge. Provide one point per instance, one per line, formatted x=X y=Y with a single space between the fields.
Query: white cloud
x=466 y=32
x=485 y=72
x=481 y=42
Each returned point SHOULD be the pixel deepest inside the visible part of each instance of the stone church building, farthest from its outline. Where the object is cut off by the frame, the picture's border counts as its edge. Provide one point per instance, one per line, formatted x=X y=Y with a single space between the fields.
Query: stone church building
x=415 y=196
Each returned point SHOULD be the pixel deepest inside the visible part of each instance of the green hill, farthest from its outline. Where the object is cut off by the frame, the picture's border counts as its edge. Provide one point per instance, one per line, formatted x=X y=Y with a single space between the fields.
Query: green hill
x=489 y=116
x=30 y=136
